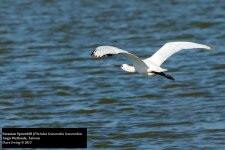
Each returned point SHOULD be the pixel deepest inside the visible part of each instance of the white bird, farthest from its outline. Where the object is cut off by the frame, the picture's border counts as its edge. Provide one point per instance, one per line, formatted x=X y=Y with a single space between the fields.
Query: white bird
x=151 y=65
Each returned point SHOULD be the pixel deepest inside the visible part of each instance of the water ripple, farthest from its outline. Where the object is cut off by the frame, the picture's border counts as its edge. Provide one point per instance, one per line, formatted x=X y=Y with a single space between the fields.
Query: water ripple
x=48 y=78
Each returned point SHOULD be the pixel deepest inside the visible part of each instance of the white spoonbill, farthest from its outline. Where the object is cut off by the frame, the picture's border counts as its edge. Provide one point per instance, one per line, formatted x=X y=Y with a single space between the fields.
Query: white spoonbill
x=151 y=65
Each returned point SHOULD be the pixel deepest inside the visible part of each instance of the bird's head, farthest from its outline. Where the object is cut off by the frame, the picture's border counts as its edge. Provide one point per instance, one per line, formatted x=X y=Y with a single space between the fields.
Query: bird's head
x=127 y=68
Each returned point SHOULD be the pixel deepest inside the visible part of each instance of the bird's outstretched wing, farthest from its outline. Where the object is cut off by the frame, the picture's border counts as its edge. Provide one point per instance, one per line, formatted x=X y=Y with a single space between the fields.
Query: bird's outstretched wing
x=170 y=48
x=110 y=50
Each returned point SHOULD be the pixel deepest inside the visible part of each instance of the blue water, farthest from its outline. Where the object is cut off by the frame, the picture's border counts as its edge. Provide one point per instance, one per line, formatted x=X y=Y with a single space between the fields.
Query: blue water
x=48 y=78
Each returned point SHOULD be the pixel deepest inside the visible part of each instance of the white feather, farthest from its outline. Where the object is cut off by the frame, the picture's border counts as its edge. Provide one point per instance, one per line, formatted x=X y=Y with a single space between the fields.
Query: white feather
x=101 y=51
x=151 y=65
x=170 y=48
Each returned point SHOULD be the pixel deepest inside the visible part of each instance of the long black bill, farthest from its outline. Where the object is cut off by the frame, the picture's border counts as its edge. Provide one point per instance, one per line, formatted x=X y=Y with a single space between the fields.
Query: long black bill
x=164 y=75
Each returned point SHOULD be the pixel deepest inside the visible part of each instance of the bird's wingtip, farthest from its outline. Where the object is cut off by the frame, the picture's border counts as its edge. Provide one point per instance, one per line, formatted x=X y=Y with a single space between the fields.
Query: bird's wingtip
x=93 y=54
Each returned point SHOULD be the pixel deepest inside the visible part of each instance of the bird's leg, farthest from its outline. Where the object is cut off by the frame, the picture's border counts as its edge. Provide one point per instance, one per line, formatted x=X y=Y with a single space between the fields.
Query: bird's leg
x=164 y=75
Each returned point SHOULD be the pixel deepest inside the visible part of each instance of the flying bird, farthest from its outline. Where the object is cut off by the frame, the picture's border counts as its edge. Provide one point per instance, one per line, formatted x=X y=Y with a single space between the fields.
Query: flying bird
x=151 y=65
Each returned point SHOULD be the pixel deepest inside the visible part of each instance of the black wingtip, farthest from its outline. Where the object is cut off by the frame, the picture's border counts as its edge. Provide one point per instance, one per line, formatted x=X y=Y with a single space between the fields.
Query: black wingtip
x=93 y=54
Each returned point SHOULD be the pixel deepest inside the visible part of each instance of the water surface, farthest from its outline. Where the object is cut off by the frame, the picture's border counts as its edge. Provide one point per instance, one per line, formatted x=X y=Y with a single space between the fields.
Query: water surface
x=48 y=78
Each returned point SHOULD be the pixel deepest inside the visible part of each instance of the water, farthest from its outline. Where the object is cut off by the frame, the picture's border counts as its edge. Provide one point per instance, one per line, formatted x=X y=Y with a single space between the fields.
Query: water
x=48 y=78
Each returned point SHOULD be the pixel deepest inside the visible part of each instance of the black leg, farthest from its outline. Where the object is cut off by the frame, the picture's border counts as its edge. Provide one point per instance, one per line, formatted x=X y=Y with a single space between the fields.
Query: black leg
x=164 y=75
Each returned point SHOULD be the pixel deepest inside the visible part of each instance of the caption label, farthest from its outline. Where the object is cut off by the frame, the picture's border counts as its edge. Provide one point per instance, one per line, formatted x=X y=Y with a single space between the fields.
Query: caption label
x=44 y=137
